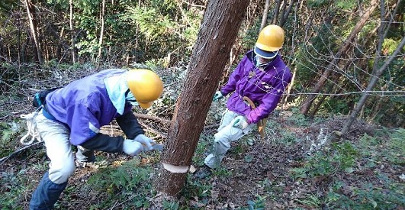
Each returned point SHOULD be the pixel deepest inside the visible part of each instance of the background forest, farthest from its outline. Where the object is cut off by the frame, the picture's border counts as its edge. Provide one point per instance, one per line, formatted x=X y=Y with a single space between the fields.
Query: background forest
x=348 y=62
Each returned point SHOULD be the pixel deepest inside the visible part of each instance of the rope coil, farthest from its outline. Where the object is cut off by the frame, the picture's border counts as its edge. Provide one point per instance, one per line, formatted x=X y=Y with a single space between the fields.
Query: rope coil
x=32 y=129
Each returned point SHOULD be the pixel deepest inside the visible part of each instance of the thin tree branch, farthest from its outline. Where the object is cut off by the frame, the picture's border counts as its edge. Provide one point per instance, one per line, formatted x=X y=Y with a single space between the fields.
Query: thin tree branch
x=151 y=130
x=144 y=116
x=370 y=86
x=265 y=13
x=4 y=159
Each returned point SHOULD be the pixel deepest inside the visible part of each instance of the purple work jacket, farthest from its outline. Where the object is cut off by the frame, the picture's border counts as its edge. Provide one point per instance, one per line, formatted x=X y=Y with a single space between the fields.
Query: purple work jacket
x=263 y=86
x=84 y=106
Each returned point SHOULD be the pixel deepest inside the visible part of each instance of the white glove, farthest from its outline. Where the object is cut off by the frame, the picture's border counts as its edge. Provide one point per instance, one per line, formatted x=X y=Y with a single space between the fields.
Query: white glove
x=240 y=122
x=217 y=95
x=132 y=147
x=147 y=142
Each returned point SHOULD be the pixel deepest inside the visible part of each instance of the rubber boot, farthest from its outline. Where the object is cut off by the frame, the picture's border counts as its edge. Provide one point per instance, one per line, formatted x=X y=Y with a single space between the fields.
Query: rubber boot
x=46 y=194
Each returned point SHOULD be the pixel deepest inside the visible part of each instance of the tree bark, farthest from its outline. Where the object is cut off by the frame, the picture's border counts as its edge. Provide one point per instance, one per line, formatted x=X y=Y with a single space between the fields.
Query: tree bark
x=100 y=41
x=218 y=31
x=286 y=13
x=318 y=104
x=19 y=36
x=72 y=34
x=276 y=11
x=306 y=105
x=265 y=13
x=34 y=30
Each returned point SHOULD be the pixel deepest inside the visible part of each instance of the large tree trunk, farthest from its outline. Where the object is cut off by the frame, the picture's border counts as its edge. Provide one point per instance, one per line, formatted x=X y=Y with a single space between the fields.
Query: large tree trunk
x=306 y=105
x=218 y=31
x=34 y=30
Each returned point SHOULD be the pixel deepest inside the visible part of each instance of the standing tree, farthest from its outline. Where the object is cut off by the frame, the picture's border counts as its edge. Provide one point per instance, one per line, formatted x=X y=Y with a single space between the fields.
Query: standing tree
x=265 y=13
x=100 y=41
x=32 y=18
x=218 y=31
x=71 y=27
x=370 y=86
x=307 y=103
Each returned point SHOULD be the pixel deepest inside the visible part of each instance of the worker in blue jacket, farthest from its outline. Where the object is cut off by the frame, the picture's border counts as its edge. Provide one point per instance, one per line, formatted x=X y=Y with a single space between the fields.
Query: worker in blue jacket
x=74 y=114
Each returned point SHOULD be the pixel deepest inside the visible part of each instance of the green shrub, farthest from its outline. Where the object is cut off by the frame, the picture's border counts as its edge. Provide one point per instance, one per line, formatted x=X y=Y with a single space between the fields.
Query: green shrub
x=396 y=147
x=129 y=180
x=339 y=158
x=14 y=186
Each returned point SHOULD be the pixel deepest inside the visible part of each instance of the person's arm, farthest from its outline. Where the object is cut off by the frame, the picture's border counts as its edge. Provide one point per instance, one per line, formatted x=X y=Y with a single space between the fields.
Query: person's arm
x=129 y=124
x=269 y=101
x=106 y=143
x=85 y=130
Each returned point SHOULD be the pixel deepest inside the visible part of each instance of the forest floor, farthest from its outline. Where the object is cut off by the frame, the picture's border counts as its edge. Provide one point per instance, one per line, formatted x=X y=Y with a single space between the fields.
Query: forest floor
x=278 y=172
x=295 y=166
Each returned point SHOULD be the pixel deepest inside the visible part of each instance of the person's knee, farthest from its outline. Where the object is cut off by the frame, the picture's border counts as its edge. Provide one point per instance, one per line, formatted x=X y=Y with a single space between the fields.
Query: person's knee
x=222 y=143
x=221 y=146
x=61 y=174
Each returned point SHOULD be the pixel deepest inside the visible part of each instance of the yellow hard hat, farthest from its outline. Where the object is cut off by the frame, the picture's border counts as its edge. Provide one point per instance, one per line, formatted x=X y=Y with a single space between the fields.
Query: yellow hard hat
x=271 y=38
x=145 y=85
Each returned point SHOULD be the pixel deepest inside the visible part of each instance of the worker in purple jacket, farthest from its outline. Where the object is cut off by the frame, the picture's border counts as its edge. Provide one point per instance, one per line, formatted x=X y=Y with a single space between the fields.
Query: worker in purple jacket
x=261 y=76
x=74 y=114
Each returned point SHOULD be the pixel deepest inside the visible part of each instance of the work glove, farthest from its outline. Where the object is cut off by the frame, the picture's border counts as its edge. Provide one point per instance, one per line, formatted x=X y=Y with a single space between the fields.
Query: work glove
x=132 y=147
x=145 y=141
x=240 y=122
x=217 y=95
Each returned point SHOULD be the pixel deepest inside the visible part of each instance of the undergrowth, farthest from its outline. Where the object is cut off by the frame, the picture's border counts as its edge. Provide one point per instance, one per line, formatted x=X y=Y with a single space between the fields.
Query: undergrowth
x=129 y=182
x=130 y=185
x=345 y=161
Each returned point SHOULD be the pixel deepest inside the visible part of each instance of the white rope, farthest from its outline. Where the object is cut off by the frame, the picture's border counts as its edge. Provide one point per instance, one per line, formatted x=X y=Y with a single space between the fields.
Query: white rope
x=32 y=129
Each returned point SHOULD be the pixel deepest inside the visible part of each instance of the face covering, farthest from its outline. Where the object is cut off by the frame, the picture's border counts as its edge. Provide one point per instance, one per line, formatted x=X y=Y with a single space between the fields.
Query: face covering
x=259 y=63
x=116 y=88
x=264 y=61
